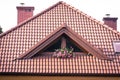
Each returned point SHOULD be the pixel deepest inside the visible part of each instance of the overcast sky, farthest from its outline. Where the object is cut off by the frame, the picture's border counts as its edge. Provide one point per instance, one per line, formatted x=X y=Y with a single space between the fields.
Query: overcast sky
x=95 y=8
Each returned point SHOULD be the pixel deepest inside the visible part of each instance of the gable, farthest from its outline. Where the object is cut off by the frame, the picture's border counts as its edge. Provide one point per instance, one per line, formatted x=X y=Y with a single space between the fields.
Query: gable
x=63 y=42
x=82 y=43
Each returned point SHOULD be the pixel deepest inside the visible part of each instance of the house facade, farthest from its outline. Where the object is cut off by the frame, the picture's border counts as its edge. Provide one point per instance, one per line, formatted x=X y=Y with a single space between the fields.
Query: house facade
x=28 y=48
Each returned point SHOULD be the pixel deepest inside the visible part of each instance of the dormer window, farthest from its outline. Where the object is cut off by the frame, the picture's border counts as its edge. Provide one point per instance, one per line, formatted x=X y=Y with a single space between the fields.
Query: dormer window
x=116 y=45
x=63 y=38
x=63 y=42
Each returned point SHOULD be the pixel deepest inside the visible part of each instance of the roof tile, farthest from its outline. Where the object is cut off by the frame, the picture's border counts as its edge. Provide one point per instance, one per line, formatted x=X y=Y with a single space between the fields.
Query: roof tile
x=25 y=35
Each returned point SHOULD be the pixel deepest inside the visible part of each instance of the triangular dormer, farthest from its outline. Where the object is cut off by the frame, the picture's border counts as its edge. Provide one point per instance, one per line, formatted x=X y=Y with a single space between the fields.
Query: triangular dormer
x=63 y=30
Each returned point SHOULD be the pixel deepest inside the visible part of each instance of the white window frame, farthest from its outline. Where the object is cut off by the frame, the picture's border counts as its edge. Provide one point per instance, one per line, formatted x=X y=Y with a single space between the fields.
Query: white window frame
x=116 y=46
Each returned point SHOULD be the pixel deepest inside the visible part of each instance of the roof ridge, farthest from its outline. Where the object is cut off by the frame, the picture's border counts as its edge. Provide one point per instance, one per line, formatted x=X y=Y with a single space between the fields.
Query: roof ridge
x=90 y=17
x=60 y=2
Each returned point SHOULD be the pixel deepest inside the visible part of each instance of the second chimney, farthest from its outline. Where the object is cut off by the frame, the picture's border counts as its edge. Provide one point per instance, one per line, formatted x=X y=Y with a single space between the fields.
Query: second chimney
x=23 y=13
x=110 y=21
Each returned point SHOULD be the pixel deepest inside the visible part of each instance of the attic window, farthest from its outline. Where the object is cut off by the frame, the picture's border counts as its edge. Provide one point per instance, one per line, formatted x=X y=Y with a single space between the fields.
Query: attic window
x=116 y=45
x=62 y=47
x=71 y=37
x=63 y=42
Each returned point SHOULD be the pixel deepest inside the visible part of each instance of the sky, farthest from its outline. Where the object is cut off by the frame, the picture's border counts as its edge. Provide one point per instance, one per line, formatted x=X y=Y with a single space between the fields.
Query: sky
x=94 y=8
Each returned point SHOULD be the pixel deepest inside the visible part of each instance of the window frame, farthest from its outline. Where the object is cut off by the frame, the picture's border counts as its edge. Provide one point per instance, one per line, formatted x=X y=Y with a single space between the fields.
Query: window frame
x=116 y=46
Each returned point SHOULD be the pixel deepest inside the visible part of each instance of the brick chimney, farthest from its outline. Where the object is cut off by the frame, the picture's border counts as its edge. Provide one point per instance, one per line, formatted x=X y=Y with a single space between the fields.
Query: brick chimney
x=110 y=21
x=24 y=12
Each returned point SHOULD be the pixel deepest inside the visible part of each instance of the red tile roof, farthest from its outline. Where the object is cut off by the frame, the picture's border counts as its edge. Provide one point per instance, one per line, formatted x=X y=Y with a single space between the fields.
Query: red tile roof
x=26 y=35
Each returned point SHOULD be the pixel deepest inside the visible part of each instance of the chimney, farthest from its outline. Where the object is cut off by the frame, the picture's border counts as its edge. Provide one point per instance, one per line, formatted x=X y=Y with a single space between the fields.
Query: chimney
x=110 y=21
x=24 y=12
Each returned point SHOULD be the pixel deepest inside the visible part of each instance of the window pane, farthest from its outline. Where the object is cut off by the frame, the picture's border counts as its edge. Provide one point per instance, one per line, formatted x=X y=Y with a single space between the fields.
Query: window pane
x=116 y=45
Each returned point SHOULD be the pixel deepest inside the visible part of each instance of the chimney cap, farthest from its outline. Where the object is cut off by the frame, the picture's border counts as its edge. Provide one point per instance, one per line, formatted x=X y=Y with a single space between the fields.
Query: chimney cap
x=110 y=18
x=22 y=4
x=25 y=7
x=107 y=15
